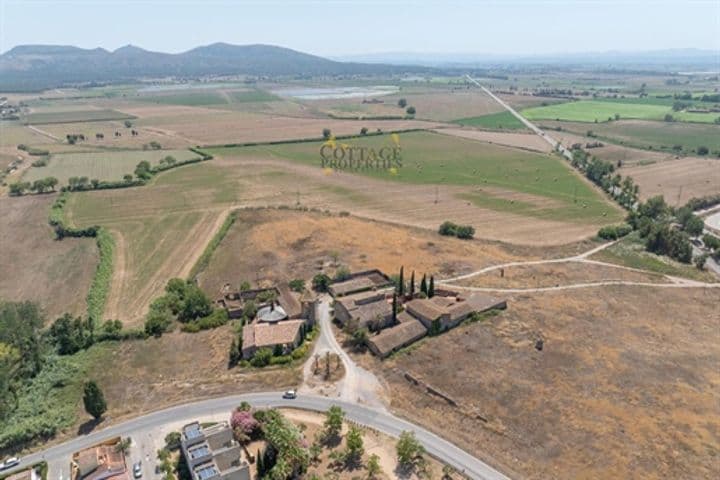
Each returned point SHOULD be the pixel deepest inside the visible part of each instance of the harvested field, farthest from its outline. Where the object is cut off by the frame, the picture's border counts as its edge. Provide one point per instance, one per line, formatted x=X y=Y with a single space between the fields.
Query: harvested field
x=107 y=165
x=554 y=274
x=430 y=105
x=677 y=180
x=267 y=246
x=35 y=266
x=527 y=141
x=625 y=386
x=222 y=126
x=13 y=134
x=71 y=116
x=110 y=141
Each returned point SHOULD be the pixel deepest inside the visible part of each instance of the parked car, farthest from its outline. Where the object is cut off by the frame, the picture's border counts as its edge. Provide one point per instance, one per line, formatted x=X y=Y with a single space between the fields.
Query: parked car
x=10 y=462
x=137 y=470
x=290 y=394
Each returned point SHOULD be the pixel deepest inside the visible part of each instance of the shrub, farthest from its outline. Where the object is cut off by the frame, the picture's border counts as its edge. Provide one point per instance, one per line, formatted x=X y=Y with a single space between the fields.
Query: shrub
x=613 y=232
x=320 y=282
x=261 y=358
x=297 y=285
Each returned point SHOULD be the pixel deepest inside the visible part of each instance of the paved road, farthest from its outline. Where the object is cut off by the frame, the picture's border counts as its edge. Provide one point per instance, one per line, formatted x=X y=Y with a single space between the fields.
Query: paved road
x=381 y=421
x=554 y=143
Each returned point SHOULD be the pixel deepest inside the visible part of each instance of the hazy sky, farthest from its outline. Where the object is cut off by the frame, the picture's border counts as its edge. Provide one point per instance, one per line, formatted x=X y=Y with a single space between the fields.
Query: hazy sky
x=352 y=27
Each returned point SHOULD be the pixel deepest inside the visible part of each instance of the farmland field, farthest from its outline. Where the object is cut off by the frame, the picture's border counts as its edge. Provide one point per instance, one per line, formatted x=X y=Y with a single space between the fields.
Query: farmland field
x=72 y=116
x=591 y=111
x=430 y=158
x=496 y=121
x=35 y=266
x=105 y=165
x=647 y=134
x=185 y=98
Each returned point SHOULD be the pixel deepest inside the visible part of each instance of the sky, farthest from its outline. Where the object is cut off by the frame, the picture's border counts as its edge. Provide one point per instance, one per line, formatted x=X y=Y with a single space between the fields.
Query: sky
x=339 y=27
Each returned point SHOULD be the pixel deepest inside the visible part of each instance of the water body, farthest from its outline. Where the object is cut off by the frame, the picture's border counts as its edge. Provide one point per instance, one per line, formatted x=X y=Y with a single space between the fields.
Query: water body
x=315 y=93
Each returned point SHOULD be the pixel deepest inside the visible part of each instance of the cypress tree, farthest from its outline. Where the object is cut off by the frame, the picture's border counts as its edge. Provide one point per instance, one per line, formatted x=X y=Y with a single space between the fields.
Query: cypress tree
x=234 y=356
x=412 y=283
x=94 y=400
x=431 y=289
x=401 y=282
x=423 y=285
x=394 y=308
x=260 y=464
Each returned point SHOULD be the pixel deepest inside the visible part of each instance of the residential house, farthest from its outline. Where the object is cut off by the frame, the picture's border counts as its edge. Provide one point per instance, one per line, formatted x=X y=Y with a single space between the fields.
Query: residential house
x=212 y=453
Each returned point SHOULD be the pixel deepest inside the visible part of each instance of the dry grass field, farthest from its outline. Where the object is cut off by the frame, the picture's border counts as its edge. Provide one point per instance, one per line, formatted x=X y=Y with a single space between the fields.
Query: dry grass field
x=554 y=274
x=677 y=180
x=104 y=165
x=146 y=375
x=266 y=246
x=35 y=266
x=626 y=385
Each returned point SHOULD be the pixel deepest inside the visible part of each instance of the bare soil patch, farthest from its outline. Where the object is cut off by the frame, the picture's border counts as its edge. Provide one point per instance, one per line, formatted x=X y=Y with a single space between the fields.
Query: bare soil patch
x=35 y=266
x=626 y=385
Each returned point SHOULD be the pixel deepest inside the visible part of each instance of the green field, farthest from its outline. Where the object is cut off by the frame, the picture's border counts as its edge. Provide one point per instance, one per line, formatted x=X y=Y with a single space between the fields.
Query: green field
x=591 y=111
x=499 y=121
x=190 y=99
x=602 y=110
x=249 y=96
x=107 y=166
x=429 y=158
x=72 y=116
x=648 y=134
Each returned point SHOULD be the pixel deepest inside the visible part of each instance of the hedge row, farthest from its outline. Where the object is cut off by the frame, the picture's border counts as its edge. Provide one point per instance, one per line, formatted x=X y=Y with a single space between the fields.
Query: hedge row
x=310 y=139
x=97 y=295
x=100 y=286
x=204 y=259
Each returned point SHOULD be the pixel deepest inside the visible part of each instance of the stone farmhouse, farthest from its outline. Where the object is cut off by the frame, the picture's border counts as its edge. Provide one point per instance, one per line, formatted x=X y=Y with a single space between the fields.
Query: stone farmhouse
x=280 y=319
x=360 y=282
x=363 y=302
x=212 y=453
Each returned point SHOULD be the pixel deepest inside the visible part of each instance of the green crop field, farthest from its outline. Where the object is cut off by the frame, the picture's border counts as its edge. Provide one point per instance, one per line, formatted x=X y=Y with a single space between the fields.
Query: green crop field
x=107 y=165
x=189 y=99
x=500 y=121
x=72 y=116
x=429 y=158
x=590 y=111
x=602 y=110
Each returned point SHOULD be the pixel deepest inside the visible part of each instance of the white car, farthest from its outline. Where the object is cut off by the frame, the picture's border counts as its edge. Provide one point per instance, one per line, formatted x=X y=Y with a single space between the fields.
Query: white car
x=137 y=470
x=290 y=394
x=10 y=462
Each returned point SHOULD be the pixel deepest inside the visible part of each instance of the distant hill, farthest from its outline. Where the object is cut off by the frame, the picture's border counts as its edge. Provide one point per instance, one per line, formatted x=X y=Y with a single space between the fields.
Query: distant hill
x=37 y=67
x=665 y=60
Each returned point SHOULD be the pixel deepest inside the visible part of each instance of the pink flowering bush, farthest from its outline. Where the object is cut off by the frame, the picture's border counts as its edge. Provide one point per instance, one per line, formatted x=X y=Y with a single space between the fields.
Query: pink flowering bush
x=245 y=421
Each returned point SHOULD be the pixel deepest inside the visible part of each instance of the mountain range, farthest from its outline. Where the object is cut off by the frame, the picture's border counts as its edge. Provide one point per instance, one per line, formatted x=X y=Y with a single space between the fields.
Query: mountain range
x=36 y=67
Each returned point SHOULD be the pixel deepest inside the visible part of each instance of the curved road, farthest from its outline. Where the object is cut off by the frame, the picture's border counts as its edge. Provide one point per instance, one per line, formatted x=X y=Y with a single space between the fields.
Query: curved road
x=381 y=421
